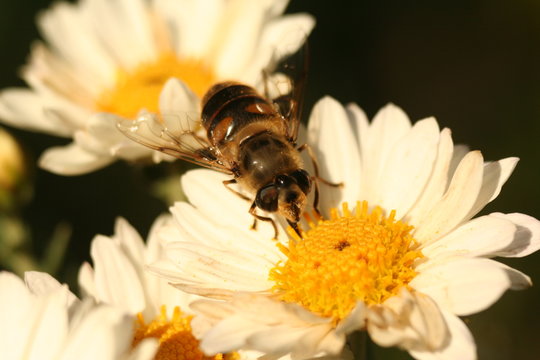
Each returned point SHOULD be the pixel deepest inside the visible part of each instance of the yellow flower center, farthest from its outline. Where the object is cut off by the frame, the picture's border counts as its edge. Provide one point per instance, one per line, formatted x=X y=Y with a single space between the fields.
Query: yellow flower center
x=360 y=256
x=140 y=88
x=176 y=340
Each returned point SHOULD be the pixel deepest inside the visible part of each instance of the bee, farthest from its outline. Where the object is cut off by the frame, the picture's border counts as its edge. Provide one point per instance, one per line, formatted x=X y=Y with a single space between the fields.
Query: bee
x=249 y=136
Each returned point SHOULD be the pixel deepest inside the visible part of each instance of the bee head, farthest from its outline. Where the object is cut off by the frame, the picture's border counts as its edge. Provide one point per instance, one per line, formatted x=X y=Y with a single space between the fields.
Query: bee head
x=287 y=195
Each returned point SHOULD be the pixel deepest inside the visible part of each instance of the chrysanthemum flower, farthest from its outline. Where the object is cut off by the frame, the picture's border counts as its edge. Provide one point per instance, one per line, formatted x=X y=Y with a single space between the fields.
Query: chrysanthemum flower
x=158 y=310
x=43 y=320
x=103 y=56
x=397 y=251
x=119 y=278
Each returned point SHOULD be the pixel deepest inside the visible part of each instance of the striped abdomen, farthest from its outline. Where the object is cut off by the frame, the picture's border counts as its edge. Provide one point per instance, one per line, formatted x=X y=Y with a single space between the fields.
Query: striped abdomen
x=232 y=112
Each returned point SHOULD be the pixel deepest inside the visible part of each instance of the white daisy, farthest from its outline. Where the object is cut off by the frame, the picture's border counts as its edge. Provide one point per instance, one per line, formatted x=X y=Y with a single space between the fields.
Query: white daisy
x=114 y=56
x=44 y=320
x=158 y=309
x=119 y=278
x=403 y=264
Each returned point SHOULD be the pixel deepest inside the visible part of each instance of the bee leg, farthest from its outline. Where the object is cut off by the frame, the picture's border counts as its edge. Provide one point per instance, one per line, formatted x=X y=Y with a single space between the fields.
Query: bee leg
x=295 y=228
x=252 y=210
x=233 y=181
x=316 y=197
x=266 y=76
x=316 y=166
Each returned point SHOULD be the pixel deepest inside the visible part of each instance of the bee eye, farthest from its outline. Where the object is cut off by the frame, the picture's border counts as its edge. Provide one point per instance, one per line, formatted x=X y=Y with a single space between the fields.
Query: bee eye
x=267 y=198
x=303 y=180
x=282 y=180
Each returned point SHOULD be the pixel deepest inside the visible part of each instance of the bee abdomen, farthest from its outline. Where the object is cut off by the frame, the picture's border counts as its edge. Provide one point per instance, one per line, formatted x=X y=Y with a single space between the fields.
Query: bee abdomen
x=228 y=107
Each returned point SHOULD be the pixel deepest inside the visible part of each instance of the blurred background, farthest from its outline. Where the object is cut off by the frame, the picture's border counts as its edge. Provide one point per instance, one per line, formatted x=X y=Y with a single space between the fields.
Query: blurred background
x=474 y=65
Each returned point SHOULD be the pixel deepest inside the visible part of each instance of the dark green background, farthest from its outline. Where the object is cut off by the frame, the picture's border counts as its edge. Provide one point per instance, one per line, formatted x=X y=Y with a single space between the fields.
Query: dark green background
x=472 y=64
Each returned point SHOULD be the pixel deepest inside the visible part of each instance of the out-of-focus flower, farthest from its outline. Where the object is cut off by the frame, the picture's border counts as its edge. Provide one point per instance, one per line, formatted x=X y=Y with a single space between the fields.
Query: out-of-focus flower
x=119 y=278
x=402 y=259
x=11 y=163
x=114 y=57
x=43 y=320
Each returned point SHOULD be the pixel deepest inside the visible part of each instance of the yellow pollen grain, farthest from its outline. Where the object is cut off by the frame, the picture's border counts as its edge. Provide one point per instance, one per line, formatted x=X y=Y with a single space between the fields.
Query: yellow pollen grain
x=176 y=340
x=140 y=87
x=351 y=257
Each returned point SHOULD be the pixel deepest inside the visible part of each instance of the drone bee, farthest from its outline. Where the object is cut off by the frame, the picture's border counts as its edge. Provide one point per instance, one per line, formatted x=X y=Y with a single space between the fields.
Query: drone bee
x=248 y=136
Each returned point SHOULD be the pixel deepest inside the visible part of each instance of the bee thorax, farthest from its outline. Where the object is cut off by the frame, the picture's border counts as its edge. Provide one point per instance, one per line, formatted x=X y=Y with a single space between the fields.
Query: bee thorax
x=264 y=156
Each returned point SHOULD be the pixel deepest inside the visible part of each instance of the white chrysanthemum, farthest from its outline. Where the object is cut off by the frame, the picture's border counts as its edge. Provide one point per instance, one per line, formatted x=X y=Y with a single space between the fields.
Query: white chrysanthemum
x=104 y=56
x=403 y=264
x=119 y=278
x=159 y=310
x=44 y=320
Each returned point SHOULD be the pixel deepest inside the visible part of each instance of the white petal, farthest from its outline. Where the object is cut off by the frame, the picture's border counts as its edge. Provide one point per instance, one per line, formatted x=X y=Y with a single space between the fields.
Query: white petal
x=388 y=126
x=117 y=281
x=356 y=320
x=42 y=284
x=250 y=319
x=72 y=160
x=130 y=241
x=527 y=237
x=235 y=37
x=428 y=321
x=280 y=38
x=458 y=153
x=360 y=124
x=194 y=24
x=438 y=181
x=228 y=336
x=103 y=333
x=331 y=133
x=217 y=268
x=483 y=236
x=68 y=33
x=16 y=304
x=154 y=248
x=456 y=203
x=410 y=320
x=277 y=7
x=177 y=98
x=49 y=327
x=412 y=157
x=124 y=29
x=495 y=175
x=145 y=350
x=463 y=285
x=86 y=282
x=203 y=186
x=195 y=227
x=102 y=127
x=460 y=343
x=301 y=343
x=25 y=109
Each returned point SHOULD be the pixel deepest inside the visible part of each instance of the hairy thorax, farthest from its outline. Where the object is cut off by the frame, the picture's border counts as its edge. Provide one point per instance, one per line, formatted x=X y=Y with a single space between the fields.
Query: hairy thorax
x=263 y=156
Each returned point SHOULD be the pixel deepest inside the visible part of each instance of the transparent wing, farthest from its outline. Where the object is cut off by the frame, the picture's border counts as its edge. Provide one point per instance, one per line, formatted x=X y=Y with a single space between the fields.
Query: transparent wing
x=285 y=82
x=181 y=138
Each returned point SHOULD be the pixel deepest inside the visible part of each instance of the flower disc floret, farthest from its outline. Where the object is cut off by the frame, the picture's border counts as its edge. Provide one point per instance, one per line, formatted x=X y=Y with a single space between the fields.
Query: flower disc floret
x=176 y=340
x=359 y=256
x=140 y=87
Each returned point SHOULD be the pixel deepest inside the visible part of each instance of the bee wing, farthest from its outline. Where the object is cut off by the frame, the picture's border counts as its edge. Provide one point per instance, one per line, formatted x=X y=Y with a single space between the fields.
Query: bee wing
x=286 y=86
x=182 y=139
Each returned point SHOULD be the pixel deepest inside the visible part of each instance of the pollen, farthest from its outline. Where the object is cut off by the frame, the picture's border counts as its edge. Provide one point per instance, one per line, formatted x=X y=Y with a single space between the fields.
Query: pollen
x=139 y=88
x=353 y=256
x=176 y=340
